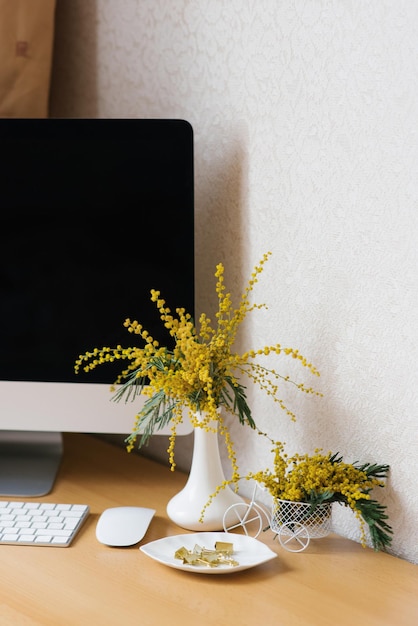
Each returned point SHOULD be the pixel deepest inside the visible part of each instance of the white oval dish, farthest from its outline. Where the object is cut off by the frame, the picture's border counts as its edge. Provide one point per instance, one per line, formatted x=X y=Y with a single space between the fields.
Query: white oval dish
x=249 y=552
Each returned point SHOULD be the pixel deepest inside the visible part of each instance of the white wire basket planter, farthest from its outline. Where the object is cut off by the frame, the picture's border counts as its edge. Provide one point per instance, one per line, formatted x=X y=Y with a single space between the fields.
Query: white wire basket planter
x=296 y=523
x=293 y=522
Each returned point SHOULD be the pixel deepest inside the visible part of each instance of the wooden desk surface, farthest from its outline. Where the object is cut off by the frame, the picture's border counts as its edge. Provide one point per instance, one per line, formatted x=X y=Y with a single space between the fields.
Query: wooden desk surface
x=334 y=581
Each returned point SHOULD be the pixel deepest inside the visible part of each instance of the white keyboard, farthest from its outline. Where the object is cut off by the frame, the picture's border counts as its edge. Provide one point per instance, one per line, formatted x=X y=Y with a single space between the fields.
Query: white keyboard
x=40 y=523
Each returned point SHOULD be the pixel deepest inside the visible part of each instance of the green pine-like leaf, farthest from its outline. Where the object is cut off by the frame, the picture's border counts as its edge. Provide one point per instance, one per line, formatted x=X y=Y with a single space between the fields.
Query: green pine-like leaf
x=374 y=514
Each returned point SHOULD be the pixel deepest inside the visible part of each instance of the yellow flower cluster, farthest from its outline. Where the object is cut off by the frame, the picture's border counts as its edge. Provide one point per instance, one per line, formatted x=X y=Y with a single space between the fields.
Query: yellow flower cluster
x=201 y=372
x=320 y=478
x=298 y=477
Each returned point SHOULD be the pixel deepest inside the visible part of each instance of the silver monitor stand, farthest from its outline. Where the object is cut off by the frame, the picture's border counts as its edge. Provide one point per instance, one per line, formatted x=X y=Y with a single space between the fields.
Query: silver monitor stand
x=29 y=462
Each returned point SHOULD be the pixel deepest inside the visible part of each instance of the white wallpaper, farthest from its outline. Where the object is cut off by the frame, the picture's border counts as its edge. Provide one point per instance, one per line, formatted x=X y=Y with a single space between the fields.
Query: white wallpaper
x=305 y=116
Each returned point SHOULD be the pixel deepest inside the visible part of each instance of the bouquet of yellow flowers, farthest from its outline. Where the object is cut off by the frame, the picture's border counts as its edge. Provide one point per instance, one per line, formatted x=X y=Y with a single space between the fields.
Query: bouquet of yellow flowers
x=201 y=372
x=320 y=478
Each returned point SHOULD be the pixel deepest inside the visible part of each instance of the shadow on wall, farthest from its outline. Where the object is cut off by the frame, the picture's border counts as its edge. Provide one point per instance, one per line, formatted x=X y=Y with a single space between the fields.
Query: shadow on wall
x=74 y=65
x=221 y=182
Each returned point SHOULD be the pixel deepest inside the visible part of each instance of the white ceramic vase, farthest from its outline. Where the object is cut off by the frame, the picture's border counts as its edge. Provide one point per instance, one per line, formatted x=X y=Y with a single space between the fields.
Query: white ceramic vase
x=206 y=474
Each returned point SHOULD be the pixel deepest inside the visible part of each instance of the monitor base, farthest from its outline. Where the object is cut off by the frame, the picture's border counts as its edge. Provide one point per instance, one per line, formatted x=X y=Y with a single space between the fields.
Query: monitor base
x=29 y=462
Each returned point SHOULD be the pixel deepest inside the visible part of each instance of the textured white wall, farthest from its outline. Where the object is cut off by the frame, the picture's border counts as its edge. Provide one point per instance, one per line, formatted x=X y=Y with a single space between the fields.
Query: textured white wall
x=305 y=116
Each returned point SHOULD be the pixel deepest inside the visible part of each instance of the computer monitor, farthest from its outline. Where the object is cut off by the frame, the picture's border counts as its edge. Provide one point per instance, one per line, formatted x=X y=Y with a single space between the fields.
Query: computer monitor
x=94 y=213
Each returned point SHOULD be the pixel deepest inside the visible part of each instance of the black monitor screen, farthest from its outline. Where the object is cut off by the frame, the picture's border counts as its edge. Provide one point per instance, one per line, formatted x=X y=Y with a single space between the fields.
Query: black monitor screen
x=94 y=214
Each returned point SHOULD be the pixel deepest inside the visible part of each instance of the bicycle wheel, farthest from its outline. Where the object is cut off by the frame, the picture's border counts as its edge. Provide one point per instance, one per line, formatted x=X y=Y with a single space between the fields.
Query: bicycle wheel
x=244 y=518
x=294 y=536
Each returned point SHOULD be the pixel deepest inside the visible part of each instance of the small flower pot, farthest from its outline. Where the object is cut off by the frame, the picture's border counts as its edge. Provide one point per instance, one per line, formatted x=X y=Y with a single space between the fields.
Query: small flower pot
x=286 y=514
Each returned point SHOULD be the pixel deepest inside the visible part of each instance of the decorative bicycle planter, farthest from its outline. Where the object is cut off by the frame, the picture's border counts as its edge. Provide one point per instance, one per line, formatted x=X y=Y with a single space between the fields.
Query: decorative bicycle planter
x=293 y=522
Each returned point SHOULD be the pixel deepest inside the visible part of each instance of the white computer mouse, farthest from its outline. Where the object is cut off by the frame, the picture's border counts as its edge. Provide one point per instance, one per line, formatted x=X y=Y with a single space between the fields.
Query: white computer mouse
x=123 y=525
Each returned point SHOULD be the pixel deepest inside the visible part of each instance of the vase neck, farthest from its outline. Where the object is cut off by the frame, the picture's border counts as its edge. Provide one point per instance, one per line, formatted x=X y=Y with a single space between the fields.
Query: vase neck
x=202 y=419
